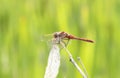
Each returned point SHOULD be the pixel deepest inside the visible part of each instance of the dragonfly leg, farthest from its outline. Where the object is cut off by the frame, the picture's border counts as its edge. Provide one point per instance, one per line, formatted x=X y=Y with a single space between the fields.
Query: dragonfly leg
x=66 y=43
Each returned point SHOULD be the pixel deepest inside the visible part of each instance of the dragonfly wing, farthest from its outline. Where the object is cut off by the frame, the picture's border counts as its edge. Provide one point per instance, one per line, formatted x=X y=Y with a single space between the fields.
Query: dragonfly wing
x=53 y=65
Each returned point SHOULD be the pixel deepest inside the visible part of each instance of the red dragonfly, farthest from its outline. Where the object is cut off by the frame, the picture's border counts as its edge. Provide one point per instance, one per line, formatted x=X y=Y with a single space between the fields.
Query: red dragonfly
x=64 y=35
x=53 y=65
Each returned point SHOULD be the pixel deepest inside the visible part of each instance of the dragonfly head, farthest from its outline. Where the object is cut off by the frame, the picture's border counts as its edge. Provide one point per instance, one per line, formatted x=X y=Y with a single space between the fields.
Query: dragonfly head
x=60 y=34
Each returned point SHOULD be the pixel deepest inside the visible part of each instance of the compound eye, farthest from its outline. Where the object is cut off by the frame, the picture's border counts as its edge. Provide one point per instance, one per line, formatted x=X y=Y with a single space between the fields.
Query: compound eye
x=55 y=35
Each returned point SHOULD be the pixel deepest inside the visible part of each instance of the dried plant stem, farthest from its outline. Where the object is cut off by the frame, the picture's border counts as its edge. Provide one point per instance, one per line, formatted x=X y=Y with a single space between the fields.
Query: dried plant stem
x=84 y=69
x=73 y=62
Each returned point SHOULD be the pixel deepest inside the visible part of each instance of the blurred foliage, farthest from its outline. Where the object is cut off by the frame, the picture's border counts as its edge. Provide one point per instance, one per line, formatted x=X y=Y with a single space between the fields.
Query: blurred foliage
x=23 y=22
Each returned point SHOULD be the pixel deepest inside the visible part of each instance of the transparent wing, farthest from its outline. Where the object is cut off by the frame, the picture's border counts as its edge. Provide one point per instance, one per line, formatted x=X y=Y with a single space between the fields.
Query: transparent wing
x=53 y=65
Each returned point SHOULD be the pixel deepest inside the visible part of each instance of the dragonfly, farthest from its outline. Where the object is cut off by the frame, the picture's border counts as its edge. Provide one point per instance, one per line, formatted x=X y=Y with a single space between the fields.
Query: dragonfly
x=53 y=65
x=65 y=36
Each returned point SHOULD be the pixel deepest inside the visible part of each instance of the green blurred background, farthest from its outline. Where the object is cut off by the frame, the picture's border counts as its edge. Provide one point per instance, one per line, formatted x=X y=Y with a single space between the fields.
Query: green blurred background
x=22 y=23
